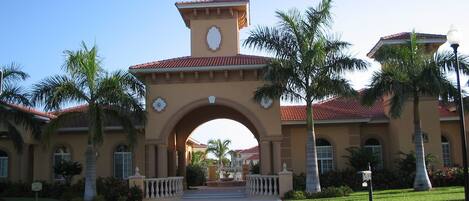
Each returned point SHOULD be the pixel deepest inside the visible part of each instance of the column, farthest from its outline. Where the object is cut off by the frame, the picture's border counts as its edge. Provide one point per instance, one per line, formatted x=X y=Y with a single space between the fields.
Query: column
x=266 y=158
x=181 y=161
x=276 y=156
x=162 y=160
x=151 y=163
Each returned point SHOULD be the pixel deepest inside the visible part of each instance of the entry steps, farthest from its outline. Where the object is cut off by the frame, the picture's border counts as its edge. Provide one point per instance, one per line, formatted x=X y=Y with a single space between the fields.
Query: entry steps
x=221 y=193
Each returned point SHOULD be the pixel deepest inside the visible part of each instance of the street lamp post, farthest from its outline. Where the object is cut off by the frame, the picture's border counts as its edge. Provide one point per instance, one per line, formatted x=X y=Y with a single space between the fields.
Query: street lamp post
x=453 y=39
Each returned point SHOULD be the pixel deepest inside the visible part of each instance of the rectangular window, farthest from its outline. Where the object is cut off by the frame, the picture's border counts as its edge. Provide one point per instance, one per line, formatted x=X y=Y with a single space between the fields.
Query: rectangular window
x=325 y=159
x=122 y=164
x=58 y=157
x=3 y=167
x=446 y=154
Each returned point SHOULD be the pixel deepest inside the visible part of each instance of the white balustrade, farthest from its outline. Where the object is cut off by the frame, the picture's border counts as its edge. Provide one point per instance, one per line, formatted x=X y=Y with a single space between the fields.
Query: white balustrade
x=262 y=185
x=163 y=187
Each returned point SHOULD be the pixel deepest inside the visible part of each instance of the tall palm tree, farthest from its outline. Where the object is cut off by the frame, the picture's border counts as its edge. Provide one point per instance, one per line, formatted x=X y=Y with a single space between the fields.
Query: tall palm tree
x=309 y=65
x=198 y=158
x=12 y=100
x=113 y=96
x=409 y=73
x=220 y=149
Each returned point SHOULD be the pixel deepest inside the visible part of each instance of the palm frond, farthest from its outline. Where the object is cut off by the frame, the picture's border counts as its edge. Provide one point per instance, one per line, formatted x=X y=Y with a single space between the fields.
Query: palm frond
x=15 y=136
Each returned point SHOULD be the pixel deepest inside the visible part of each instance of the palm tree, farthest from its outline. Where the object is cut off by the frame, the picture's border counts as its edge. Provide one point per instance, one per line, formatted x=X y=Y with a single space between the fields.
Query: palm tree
x=198 y=158
x=220 y=149
x=12 y=100
x=409 y=73
x=309 y=65
x=113 y=96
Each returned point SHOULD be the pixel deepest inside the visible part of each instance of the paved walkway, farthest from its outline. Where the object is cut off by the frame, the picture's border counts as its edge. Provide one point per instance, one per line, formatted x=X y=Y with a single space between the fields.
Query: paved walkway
x=220 y=193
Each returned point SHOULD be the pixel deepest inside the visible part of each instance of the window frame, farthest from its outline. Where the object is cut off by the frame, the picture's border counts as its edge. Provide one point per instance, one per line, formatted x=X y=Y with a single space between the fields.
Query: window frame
x=446 y=157
x=66 y=155
x=6 y=166
x=322 y=167
x=373 y=148
x=126 y=158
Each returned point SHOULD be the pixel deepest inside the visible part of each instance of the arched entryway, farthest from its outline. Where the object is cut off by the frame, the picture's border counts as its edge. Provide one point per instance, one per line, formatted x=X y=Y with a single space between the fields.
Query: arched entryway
x=200 y=113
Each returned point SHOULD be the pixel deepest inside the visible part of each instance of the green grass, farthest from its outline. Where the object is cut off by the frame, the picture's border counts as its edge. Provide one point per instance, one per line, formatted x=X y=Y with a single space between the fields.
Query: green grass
x=28 y=199
x=436 y=194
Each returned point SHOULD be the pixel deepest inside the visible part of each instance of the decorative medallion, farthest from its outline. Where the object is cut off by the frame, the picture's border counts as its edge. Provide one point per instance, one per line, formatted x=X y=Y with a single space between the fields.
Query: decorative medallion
x=211 y=99
x=266 y=102
x=214 y=38
x=159 y=104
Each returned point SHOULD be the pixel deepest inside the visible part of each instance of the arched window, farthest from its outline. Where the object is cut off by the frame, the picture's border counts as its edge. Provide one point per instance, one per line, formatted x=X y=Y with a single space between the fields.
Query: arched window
x=122 y=162
x=375 y=147
x=3 y=164
x=61 y=153
x=446 y=151
x=325 y=156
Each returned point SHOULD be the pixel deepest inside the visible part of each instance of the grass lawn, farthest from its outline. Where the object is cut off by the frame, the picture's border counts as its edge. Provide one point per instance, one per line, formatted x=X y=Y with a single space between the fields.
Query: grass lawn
x=437 y=194
x=28 y=199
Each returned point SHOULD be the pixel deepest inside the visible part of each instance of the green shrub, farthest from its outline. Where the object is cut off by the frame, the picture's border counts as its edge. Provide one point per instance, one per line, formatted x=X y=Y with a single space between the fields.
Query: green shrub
x=68 y=195
x=299 y=182
x=447 y=177
x=195 y=175
x=68 y=169
x=77 y=199
x=135 y=194
x=255 y=169
x=112 y=188
x=99 y=198
x=122 y=198
x=359 y=157
x=331 y=192
x=295 y=195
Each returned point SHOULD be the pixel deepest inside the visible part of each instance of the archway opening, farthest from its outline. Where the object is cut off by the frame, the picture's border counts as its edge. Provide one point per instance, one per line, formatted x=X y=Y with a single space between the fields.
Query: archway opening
x=200 y=129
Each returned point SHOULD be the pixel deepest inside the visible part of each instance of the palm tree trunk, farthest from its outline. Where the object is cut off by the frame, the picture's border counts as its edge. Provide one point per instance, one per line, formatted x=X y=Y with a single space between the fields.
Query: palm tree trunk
x=312 y=174
x=421 y=182
x=90 y=173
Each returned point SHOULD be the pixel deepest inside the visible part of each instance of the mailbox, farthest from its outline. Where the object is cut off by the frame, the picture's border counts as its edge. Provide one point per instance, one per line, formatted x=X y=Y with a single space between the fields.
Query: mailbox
x=365 y=175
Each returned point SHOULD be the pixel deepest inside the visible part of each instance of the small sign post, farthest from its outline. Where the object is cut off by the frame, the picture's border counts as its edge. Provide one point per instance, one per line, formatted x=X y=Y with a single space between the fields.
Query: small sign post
x=36 y=187
x=367 y=181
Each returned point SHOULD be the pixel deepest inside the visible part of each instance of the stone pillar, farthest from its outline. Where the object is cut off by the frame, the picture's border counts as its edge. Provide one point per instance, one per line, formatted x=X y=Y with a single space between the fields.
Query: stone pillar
x=276 y=156
x=151 y=161
x=162 y=160
x=285 y=181
x=266 y=158
x=137 y=180
x=181 y=161
x=172 y=162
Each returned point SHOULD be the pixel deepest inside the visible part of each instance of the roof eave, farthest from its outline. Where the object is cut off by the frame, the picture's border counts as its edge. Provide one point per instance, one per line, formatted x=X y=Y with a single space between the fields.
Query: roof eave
x=195 y=69
x=383 y=42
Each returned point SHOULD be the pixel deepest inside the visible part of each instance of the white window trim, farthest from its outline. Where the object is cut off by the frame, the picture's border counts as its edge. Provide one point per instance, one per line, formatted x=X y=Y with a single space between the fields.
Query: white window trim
x=123 y=153
x=449 y=154
x=321 y=169
x=63 y=156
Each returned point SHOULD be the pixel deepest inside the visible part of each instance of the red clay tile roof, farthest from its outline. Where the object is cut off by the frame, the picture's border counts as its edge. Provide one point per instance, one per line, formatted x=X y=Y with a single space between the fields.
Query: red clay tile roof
x=446 y=110
x=253 y=157
x=31 y=111
x=208 y=1
x=406 y=36
x=204 y=62
x=250 y=150
x=334 y=109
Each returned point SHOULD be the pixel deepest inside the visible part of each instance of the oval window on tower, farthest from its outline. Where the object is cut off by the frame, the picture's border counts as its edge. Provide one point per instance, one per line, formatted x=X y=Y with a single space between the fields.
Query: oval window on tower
x=213 y=38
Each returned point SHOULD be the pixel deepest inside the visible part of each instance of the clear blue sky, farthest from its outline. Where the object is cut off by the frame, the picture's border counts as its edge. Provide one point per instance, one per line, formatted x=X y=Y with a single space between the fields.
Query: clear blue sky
x=35 y=33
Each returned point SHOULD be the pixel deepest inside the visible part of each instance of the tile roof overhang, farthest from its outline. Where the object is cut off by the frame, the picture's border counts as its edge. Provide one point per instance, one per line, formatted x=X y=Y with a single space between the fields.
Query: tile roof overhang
x=39 y=114
x=191 y=64
x=186 y=7
x=404 y=37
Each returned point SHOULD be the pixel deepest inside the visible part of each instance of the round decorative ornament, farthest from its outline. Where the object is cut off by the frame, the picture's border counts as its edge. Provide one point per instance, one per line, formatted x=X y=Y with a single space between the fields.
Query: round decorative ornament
x=159 y=104
x=266 y=102
x=214 y=38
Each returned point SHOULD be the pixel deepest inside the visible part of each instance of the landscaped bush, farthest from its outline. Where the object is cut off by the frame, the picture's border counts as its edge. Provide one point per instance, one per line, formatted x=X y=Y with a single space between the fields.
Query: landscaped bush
x=325 y=193
x=112 y=188
x=295 y=195
x=135 y=194
x=99 y=198
x=195 y=175
x=68 y=169
x=447 y=177
x=360 y=157
x=299 y=182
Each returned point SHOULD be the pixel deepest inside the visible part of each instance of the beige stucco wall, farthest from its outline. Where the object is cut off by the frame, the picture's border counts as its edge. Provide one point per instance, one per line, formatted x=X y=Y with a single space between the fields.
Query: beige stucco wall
x=402 y=129
x=182 y=98
x=76 y=142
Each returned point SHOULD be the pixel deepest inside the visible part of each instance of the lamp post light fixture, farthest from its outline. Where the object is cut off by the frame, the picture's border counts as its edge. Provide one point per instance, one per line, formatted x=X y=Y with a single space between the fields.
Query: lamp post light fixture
x=453 y=38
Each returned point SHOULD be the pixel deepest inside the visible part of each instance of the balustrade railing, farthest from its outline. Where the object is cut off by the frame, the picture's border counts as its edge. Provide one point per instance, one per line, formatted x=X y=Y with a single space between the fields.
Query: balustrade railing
x=262 y=185
x=163 y=187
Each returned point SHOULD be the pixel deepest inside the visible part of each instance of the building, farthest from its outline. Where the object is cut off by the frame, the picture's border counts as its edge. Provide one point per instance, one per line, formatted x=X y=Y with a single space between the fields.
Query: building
x=216 y=81
x=248 y=156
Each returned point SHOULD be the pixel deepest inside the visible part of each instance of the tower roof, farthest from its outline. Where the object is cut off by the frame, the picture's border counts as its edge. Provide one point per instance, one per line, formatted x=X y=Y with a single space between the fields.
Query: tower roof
x=192 y=8
x=404 y=37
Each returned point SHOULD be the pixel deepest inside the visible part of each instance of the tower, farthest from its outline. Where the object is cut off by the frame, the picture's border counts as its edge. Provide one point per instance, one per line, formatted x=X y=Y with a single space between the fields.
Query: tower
x=215 y=25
